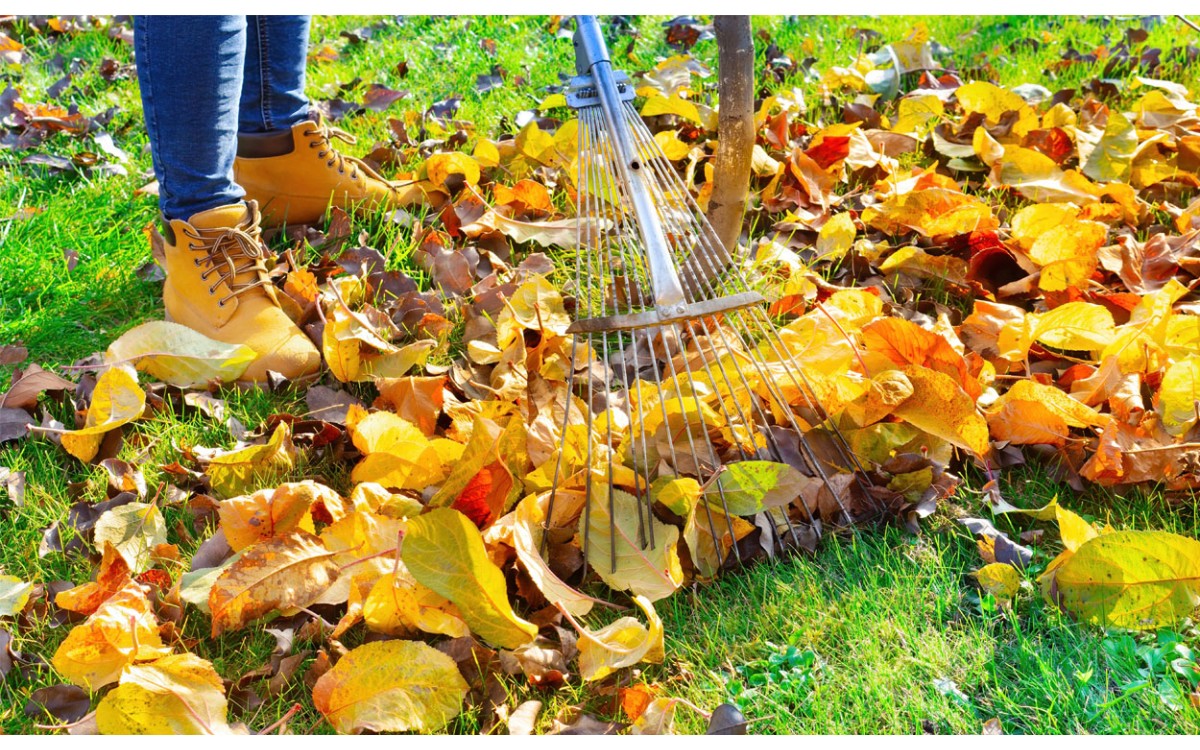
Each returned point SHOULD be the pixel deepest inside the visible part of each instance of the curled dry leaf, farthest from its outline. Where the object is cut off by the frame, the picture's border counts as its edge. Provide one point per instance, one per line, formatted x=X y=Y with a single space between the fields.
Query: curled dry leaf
x=623 y=643
x=178 y=355
x=653 y=572
x=391 y=686
x=116 y=400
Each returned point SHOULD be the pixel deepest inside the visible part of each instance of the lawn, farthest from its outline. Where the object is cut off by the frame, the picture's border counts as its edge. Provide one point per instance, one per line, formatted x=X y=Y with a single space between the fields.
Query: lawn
x=881 y=631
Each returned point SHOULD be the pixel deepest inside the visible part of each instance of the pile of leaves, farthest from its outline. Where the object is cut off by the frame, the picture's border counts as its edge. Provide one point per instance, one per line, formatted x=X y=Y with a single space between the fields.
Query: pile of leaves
x=967 y=275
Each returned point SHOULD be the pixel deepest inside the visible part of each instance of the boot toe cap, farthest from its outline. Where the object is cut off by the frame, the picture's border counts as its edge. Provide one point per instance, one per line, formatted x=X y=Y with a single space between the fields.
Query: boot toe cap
x=282 y=348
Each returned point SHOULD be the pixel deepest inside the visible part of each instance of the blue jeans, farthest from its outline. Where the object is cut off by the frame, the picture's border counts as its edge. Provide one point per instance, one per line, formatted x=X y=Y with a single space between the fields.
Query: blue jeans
x=204 y=79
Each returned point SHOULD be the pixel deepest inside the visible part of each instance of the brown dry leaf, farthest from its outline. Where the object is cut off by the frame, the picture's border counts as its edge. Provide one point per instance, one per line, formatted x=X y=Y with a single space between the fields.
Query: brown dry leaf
x=391 y=686
x=116 y=400
x=288 y=571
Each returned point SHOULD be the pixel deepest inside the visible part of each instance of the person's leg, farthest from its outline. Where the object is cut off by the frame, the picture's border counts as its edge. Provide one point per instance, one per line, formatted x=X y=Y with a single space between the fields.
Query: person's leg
x=272 y=96
x=285 y=159
x=190 y=75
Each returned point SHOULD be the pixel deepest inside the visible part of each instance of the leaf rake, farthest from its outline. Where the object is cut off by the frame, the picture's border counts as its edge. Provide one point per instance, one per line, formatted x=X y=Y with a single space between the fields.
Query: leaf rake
x=680 y=368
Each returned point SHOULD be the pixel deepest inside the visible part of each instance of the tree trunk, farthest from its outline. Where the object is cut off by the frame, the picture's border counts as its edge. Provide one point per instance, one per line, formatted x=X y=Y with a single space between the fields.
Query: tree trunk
x=735 y=123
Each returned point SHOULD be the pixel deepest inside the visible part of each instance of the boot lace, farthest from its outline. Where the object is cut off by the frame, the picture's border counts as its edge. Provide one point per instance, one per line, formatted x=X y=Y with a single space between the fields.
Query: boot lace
x=230 y=252
x=327 y=152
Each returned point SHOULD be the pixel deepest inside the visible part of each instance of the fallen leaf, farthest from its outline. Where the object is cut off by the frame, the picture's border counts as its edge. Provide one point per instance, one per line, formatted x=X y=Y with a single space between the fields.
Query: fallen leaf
x=445 y=552
x=134 y=530
x=178 y=355
x=234 y=473
x=623 y=643
x=391 y=686
x=122 y=631
x=652 y=571
x=116 y=401
x=14 y=594
x=177 y=694
x=293 y=570
x=1141 y=580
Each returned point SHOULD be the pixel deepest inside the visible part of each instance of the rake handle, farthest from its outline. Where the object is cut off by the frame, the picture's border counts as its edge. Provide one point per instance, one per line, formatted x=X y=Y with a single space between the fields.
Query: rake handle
x=592 y=59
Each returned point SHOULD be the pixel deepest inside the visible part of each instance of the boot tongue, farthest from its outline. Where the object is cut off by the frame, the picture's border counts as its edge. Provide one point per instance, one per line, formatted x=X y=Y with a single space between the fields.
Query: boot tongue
x=234 y=215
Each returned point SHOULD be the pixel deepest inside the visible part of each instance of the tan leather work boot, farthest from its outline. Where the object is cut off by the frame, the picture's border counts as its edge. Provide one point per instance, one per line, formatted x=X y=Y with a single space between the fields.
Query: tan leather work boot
x=217 y=285
x=296 y=175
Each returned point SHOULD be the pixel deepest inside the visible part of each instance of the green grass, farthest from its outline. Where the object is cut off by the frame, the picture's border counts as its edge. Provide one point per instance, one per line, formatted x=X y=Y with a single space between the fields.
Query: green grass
x=880 y=618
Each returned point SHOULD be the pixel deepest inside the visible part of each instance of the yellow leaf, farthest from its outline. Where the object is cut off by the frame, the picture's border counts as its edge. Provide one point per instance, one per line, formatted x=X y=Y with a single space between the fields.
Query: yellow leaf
x=1073 y=530
x=623 y=643
x=486 y=153
x=1067 y=254
x=117 y=400
x=526 y=537
x=884 y=393
x=915 y=114
x=14 y=594
x=134 y=530
x=652 y=572
x=178 y=355
x=1141 y=580
x=1032 y=222
x=987 y=98
x=236 y=472
x=1072 y=412
x=1036 y=176
x=391 y=686
x=268 y=513
x=710 y=533
x=671 y=105
x=1001 y=580
x=1108 y=158
x=398 y=606
x=941 y=408
x=935 y=212
x=364 y=546
x=123 y=630
x=915 y=261
x=284 y=572
x=177 y=694
x=445 y=552
x=1075 y=326
x=1179 y=395
x=836 y=237
x=439 y=167
x=672 y=148
x=678 y=494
